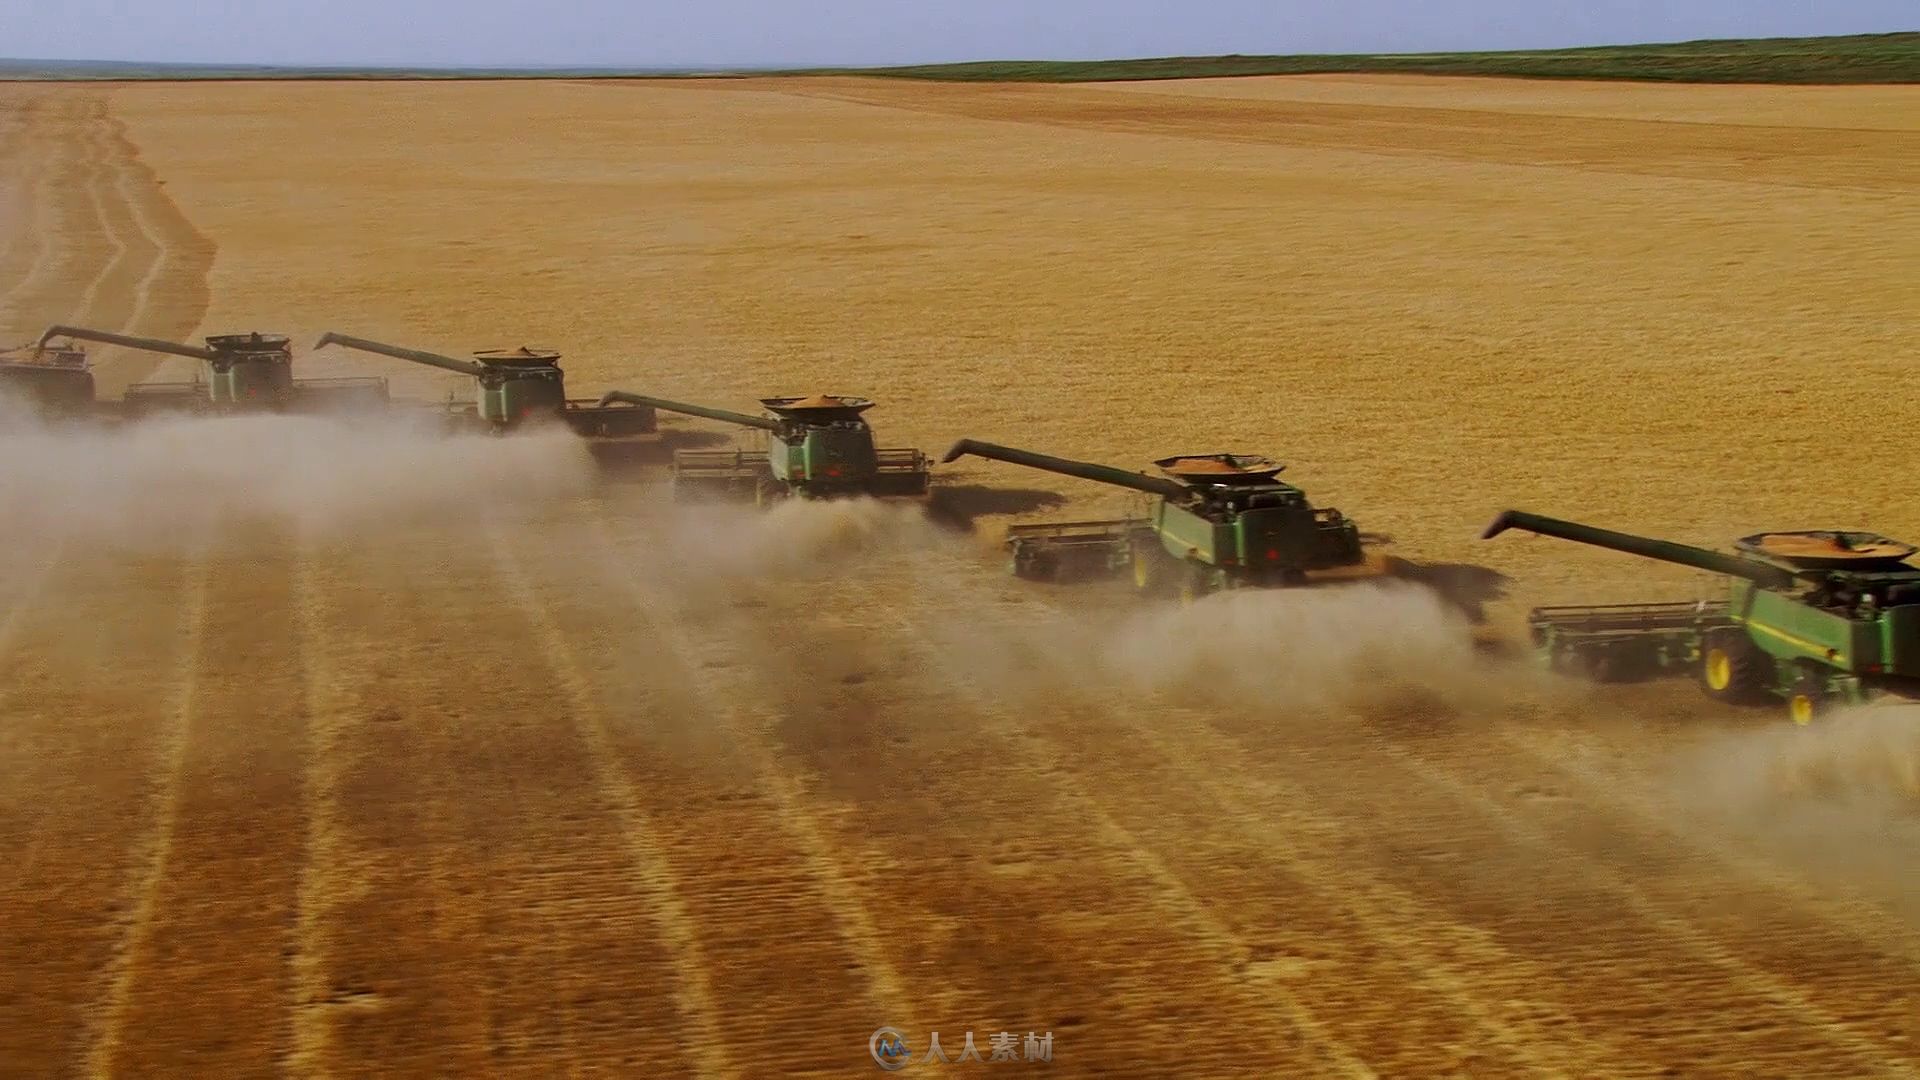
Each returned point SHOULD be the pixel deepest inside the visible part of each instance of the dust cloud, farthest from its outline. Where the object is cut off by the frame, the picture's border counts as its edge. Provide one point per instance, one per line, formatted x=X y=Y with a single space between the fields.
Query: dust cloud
x=1837 y=801
x=1863 y=760
x=1358 y=645
x=155 y=484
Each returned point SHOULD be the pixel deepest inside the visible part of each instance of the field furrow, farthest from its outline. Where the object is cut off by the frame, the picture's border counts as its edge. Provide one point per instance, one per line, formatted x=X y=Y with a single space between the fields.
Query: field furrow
x=90 y=770
x=491 y=901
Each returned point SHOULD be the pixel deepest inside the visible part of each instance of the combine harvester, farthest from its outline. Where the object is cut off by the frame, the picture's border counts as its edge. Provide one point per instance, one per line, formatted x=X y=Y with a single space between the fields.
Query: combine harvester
x=244 y=373
x=817 y=447
x=1812 y=618
x=518 y=387
x=54 y=381
x=1222 y=521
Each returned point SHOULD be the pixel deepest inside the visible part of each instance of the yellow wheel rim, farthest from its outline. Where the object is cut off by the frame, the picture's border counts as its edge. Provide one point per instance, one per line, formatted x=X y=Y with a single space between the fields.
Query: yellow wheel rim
x=1719 y=669
x=1140 y=569
x=1188 y=593
x=1800 y=707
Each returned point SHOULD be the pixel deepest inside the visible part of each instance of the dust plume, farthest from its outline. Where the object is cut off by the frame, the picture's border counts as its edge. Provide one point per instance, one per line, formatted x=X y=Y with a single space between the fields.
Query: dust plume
x=147 y=485
x=1839 y=800
x=713 y=545
x=1864 y=759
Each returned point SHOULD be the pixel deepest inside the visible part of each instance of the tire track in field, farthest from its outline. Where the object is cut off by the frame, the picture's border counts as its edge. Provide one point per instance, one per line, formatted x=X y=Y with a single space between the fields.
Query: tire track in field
x=30 y=300
x=108 y=1013
x=1024 y=808
x=1337 y=1033
x=1349 y=777
x=1289 y=832
x=1765 y=926
x=1564 y=756
x=206 y=977
x=1632 y=956
x=81 y=234
x=492 y=903
x=693 y=998
x=100 y=187
x=81 y=769
x=23 y=845
x=107 y=246
x=23 y=160
x=327 y=869
x=171 y=295
x=781 y=875
x=1720 y=950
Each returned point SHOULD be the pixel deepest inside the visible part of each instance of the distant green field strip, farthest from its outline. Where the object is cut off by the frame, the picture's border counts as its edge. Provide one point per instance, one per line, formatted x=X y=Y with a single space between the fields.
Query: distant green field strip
x=1859 y=58
x=1864 y=58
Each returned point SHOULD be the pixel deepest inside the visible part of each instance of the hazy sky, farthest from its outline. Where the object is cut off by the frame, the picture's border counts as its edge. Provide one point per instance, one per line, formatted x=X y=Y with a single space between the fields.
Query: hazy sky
x=656 y=33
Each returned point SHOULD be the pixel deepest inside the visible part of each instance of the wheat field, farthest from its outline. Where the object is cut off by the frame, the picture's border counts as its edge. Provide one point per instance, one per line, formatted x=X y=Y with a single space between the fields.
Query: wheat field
x=340 y=750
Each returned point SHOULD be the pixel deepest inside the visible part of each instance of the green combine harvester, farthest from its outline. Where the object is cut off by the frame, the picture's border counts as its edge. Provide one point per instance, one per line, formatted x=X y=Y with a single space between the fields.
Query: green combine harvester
x=517 y=387
x=1812 y=618
x=817 y=447
x=1221 y=521
x=243 y=373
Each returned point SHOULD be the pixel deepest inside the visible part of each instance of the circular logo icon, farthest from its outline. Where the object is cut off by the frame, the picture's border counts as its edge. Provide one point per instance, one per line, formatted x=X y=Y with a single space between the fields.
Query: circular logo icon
x=889 y=1049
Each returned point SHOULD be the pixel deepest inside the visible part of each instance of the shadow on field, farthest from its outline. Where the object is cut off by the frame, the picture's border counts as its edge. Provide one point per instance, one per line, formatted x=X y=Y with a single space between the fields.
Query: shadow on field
x=629 y=455
x=957 y=508
x=1466 y=587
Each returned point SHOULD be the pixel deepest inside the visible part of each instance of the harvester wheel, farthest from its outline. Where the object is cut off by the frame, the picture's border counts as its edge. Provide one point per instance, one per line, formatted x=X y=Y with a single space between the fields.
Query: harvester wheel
x=1807 y=699
x=1732 y=667
x=1151 y=567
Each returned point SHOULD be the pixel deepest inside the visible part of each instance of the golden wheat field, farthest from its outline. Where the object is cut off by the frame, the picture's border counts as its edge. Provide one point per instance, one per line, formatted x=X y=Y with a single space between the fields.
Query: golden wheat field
x=339 y=750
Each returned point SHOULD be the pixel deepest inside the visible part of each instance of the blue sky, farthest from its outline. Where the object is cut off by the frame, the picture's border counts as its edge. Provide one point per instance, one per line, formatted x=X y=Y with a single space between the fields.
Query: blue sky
x=651 y=33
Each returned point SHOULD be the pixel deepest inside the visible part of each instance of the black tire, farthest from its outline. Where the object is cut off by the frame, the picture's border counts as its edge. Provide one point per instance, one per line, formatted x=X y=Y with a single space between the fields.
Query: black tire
x=1592 y=664
x=1032 y=566
x=1733 y=669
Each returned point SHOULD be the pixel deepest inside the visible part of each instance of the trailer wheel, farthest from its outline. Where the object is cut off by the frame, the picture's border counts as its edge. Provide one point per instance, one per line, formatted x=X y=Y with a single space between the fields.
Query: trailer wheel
x=1732 y=667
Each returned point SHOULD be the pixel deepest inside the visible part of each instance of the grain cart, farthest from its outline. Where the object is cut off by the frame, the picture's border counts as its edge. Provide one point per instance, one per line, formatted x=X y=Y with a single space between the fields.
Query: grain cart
x=52 y=380
x=1812 y=618
x=1222 y=521
x=517 y=386
x=245 y=372
x=817 y=447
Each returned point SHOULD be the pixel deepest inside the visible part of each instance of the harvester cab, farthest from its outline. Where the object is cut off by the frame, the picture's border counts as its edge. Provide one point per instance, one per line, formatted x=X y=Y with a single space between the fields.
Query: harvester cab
x=244 y=372
x=515 y=387
x=818 y=446
x=1813 y=617
x=1221 y=521
x=53 y=380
